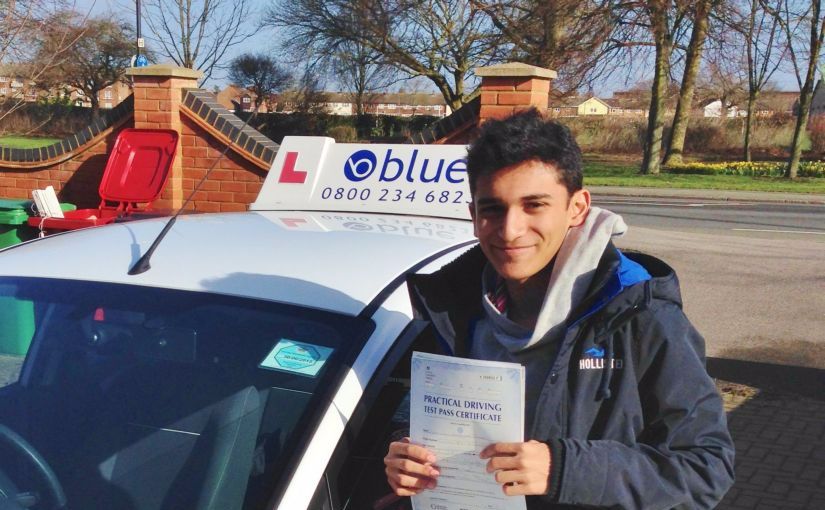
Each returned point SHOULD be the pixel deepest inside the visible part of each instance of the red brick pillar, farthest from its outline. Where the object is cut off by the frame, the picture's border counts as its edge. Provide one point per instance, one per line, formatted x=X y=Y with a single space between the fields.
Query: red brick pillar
x=158 y=96
x=507 y=88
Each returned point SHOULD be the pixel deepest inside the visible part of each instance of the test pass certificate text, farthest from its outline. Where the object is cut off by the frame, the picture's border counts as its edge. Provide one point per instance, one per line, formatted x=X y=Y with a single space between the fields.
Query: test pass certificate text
x=457 y=407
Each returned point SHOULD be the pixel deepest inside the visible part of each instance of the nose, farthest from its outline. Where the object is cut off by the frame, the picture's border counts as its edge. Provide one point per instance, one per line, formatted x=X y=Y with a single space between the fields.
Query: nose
x=513 y=225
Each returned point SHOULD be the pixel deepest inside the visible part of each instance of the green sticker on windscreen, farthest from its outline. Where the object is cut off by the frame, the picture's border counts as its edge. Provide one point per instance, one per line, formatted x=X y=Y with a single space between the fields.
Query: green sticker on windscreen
x=296 y=357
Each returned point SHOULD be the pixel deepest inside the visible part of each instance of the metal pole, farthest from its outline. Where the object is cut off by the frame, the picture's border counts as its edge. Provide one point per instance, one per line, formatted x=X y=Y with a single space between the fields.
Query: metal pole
x=137 y=12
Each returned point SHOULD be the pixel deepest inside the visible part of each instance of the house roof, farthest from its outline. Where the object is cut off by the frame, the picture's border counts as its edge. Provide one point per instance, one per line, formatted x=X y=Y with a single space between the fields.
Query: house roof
x=628 y=102
x=594 y=98
x=568 y=102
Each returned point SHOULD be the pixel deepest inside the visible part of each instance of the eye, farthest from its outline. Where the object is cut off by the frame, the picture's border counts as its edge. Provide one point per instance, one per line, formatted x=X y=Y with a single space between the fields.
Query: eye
x=534 y=205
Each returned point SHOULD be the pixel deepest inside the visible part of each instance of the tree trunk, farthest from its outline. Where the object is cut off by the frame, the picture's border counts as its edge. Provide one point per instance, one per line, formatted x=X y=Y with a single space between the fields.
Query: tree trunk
x=801 y=124
x=752 y=96
x=692 y=61
x=95 y=105
x=656 y=119
x=806 y=95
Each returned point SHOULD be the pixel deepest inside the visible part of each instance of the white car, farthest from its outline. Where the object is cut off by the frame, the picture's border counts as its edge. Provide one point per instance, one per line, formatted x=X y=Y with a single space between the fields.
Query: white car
x=258 y=363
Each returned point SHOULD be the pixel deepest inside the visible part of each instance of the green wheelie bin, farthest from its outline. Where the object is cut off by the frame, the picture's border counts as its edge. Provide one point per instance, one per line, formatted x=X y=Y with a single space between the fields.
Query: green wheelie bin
x=17 y=315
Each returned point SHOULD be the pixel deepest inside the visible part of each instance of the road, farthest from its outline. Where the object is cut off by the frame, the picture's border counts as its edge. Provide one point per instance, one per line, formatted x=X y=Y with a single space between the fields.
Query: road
x=752 y=274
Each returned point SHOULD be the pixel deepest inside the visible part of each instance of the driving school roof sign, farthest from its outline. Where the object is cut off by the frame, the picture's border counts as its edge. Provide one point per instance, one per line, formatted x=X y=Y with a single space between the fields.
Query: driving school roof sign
x=316 y=174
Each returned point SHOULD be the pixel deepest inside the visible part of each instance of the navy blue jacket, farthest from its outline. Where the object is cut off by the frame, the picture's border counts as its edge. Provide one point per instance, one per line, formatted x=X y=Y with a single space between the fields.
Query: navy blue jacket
x=631 y=416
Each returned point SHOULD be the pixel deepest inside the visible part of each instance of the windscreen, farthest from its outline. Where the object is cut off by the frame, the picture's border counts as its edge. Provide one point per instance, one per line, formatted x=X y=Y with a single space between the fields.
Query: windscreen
x=142 y=397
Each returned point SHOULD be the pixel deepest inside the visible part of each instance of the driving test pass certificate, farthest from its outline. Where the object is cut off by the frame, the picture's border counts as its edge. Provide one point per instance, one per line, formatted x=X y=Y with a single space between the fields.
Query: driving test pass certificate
x=457 y=407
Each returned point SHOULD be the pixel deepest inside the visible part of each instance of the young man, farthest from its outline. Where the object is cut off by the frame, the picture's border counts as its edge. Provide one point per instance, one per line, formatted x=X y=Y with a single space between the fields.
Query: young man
x=620 y=411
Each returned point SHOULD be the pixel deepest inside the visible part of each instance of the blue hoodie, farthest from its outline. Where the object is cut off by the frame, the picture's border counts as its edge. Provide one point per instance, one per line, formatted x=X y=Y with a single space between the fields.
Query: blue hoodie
x=631 y=416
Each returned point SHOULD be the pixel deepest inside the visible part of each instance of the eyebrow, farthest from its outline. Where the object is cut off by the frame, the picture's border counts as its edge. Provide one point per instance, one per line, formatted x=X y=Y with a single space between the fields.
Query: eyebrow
x=525 y=198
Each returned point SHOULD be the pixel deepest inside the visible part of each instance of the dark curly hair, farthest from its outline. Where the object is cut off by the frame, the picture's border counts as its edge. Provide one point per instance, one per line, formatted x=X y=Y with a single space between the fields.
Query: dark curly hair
x=525 y=136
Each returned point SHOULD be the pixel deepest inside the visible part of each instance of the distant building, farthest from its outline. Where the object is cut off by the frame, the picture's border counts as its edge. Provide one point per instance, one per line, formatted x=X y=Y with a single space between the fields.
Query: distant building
x=13 y=86
x=407 y=104
x=577 y=106
x=714 y=110
x=769 y=103
x=17 y=87
x=109 y=97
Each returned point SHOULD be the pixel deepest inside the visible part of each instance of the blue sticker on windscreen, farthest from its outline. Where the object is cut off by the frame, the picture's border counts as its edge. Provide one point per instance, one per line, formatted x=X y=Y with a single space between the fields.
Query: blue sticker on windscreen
x=296 y=357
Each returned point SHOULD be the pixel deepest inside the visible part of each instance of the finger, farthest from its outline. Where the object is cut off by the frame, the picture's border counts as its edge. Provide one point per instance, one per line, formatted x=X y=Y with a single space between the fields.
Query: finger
x=412 y=451
x=508 y=477
x=411 y=467
x=415 y=482
x=403 y=484
x=496 y=463
x=517 y=489
x=402 y=491
x=500 y=449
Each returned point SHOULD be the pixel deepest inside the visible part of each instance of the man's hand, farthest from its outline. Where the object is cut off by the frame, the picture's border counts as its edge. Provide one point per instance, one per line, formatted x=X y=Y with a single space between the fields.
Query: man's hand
x=521 y=468
x=410 y=468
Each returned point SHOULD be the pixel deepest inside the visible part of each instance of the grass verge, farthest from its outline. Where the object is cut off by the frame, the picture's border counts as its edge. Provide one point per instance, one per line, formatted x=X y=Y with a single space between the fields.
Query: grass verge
x=26 y=142
x=601 y=170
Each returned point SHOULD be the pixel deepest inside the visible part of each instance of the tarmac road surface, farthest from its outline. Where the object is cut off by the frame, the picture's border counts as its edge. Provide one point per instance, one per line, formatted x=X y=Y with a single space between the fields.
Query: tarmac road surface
x=752 y=274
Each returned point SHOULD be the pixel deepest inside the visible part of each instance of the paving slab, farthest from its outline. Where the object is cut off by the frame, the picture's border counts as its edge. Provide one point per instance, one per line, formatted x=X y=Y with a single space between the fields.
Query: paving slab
x=780 y=448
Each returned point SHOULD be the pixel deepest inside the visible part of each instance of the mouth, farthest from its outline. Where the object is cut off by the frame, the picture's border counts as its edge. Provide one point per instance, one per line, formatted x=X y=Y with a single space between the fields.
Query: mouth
x=513 y=250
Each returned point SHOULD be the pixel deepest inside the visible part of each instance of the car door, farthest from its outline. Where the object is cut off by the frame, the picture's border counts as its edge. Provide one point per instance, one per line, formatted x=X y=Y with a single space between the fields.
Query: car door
x=355 y=478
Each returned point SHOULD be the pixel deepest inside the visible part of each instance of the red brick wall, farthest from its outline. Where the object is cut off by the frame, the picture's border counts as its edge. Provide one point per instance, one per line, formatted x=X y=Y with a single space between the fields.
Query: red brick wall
x=75 y=180
x=503 y=96
x=505 y=89
x=232 y=185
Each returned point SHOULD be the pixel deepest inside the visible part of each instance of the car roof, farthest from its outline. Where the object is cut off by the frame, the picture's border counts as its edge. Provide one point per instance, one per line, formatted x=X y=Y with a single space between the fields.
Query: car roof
x=333 y=261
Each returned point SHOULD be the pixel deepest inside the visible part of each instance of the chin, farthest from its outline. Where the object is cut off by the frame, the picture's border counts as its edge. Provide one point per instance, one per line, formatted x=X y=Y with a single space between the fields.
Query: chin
x=512 y=273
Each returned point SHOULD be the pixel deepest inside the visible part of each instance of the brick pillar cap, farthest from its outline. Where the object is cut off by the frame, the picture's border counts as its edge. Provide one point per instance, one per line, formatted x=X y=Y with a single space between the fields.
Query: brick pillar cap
x=165 y=70
x=515 y=69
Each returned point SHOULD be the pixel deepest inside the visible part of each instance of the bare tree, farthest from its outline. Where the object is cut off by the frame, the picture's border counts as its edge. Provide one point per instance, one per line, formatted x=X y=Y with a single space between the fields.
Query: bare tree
x=803 y=23
x=24 y=26
x=693 y=57
x=724 y=79
x=310 y=97
x=441 y=40
x=260 y=74
x=748 y=37
x=97 y=57
x=583 y=40
x=666 y=21
x=198 y=33
x=764 y=52
x=362 y=72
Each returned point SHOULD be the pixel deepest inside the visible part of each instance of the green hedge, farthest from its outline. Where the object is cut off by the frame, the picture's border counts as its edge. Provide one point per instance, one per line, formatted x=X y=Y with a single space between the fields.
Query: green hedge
x=376 y=128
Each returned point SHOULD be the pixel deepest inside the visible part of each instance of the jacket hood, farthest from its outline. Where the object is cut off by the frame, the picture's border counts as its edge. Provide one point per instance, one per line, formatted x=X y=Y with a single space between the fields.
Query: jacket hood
x=451 y=297
x=574 y=268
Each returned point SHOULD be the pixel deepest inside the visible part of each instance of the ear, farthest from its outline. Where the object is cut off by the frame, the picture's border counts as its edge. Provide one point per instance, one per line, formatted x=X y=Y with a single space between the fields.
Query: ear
x=578 y=207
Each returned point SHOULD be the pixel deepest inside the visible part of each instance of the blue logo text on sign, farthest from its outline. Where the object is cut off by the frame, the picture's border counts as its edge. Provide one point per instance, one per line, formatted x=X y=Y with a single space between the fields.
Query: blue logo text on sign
x=296 y=357
x=364 y=163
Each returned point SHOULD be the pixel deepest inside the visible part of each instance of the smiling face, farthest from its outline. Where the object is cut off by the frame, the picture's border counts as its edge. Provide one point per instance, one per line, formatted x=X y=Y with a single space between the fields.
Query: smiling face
x=521 y=215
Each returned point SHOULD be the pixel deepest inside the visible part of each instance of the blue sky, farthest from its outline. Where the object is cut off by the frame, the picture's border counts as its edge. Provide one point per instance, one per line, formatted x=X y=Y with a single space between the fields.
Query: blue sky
x=265 y=40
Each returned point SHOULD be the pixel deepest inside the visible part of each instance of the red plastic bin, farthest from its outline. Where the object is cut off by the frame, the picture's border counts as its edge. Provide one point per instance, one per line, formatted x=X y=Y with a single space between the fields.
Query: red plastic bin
x=135 y=174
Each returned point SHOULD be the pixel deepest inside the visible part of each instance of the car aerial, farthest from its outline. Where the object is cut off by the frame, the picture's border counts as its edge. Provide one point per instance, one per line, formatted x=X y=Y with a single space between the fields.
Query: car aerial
x=255 y=360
